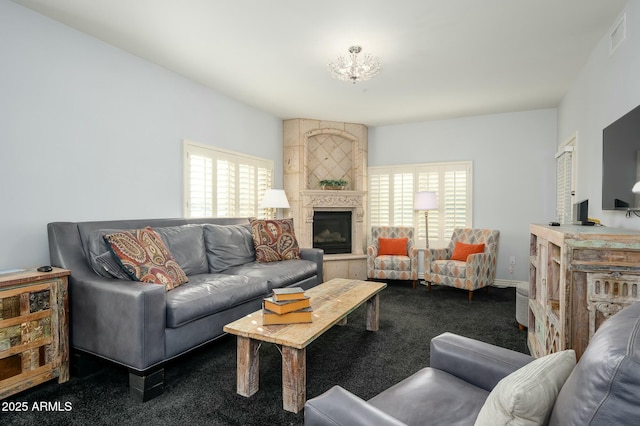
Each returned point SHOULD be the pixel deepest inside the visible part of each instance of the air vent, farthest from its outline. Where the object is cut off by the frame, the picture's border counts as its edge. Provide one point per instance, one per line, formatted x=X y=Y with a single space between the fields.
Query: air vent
x=618 y=34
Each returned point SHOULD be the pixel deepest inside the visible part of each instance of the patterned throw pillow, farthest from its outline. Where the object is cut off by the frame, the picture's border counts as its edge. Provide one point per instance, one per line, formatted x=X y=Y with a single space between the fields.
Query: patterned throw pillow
x=274 y=240
x=145 y=258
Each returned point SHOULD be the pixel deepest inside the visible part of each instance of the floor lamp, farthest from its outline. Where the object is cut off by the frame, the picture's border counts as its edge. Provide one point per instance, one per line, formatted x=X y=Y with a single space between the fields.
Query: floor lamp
x=274 y=199
x=425 y=201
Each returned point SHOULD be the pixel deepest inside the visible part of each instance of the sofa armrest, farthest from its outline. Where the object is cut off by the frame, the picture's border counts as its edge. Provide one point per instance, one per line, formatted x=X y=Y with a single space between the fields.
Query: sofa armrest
x=433 y=254
x=413 y=255
x=317 y=256
x=473 y=361
x=372 y=253
x=123 y=321
x=338 y=406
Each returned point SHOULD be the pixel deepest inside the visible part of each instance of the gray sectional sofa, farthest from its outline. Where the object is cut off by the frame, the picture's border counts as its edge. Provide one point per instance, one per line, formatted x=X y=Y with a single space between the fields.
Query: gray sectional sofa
x=141 y=326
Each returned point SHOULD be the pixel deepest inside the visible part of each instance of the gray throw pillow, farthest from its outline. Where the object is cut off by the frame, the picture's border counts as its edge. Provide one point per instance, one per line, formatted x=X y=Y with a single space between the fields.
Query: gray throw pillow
x=111 y=265
x=228 y=245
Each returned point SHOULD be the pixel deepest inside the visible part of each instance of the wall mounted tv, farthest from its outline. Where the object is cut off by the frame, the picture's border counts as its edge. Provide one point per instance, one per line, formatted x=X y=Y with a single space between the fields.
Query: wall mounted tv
x=621 y=162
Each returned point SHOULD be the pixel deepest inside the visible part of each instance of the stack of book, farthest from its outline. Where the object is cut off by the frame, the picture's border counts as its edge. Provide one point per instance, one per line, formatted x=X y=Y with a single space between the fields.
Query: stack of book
x=286 y=306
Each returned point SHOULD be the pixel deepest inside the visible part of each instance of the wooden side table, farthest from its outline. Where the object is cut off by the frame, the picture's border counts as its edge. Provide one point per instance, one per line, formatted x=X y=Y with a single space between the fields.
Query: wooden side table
x=34 y=329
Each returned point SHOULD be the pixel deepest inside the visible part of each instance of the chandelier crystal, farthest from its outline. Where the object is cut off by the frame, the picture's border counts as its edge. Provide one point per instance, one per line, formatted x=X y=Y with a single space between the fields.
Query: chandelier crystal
x=351 y=69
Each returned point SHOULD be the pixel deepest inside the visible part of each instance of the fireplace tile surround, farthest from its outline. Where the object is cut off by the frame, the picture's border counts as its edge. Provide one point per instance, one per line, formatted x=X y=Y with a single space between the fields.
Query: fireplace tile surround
x=316 y=150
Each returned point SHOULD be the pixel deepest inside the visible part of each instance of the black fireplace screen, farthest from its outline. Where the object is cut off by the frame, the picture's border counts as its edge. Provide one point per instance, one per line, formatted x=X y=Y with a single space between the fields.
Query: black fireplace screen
x=332 y=232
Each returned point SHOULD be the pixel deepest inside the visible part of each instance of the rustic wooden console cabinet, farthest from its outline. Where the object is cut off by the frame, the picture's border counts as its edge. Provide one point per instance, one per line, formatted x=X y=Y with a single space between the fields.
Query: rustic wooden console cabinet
x=34 y=339
x=579 y=276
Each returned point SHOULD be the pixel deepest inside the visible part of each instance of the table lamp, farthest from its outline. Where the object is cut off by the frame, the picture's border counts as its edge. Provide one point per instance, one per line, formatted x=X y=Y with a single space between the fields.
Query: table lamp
x=274 y=199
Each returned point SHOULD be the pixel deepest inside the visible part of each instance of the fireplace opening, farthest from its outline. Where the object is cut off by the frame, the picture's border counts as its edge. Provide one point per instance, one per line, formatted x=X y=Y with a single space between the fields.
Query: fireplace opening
x=332 y=232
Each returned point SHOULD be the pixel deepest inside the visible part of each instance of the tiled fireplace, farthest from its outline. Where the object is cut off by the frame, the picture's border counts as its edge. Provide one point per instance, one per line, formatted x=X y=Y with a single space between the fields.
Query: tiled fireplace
x=315 y=150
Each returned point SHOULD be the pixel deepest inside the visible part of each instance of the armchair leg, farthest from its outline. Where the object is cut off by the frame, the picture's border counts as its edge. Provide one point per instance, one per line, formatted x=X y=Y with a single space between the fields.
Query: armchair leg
x=414 y=284
x=470 y=295
x=429 y=285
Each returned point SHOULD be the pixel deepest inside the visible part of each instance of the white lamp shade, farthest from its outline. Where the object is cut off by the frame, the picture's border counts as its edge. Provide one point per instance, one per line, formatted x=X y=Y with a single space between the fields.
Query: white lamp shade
x=425 y=200
x=636 y=188
x=274 y=199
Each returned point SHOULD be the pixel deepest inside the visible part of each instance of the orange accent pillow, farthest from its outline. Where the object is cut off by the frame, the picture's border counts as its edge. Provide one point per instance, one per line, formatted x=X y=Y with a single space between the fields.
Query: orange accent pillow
x=461 y=251
x=392 y=246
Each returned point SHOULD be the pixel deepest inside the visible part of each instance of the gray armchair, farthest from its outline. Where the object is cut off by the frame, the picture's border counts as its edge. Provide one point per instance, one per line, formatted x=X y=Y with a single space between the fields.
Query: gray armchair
x=602 y=389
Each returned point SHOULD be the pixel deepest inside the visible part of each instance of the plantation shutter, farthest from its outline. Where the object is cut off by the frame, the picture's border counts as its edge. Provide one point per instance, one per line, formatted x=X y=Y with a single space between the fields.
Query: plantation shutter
x=392 y=190
x=429 y=181
x=563 y=187
x=379 y=199
x=200 y=177
x=403 y=199
x=223 y=183
x=455 y=200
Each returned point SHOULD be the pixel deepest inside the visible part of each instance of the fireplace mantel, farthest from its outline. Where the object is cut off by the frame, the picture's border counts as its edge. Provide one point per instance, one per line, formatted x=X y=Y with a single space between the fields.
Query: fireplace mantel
x=333 y=200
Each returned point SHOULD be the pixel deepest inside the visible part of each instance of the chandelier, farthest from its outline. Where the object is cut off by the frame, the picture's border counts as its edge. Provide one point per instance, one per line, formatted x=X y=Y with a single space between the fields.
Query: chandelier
x=351 y=69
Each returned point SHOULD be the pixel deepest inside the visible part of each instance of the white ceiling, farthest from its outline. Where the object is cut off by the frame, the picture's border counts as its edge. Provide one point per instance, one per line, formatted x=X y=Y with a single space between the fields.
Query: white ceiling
x=440 y=58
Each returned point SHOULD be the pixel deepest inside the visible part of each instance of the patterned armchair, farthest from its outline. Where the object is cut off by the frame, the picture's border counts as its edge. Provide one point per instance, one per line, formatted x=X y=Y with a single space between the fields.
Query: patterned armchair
x=392 y=267
x=478 y=271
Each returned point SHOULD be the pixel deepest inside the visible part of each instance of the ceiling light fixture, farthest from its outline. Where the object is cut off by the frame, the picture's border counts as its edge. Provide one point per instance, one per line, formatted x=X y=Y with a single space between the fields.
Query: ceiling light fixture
x=354 y=70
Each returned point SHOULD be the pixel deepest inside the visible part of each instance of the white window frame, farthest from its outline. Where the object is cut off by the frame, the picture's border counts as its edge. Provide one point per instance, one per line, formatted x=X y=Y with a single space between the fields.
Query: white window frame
x=420 y=177
x=245 y=194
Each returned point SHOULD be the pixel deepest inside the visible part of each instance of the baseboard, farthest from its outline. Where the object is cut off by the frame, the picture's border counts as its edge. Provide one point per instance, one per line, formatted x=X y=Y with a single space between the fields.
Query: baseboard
x=496 y=283
x=507 y=283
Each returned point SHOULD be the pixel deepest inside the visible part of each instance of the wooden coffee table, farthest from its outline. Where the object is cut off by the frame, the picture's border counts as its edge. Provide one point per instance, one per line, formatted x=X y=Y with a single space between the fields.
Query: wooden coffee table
x=331 y=302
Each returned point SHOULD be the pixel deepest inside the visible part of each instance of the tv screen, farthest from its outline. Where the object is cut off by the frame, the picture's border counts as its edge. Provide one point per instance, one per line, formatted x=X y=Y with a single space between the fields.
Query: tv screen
x=621 y=162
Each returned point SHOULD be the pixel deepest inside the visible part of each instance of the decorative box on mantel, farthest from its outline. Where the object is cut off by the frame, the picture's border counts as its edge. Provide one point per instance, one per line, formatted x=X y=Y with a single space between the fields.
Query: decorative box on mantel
x=34 y=339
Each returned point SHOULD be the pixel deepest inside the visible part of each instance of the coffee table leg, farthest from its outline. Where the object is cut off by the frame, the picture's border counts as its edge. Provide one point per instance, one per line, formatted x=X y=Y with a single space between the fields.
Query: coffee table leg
x=294 y=378
x=248 y=366
x=373 y=311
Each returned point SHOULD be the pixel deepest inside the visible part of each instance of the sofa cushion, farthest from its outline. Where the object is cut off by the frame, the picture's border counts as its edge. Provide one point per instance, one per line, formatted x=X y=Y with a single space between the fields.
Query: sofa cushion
x=392 y=263
x=228 y=245
x=451 y=268
x=274 y=240
x=278 y=274
x=603 y=388
x=207 y=294
x=526 y=396
x=145 y=257
x=186 y=244
x=432 y=397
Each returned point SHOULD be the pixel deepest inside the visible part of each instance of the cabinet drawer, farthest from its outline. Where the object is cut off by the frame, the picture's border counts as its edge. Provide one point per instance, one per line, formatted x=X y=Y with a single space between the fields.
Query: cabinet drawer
x=608 y=257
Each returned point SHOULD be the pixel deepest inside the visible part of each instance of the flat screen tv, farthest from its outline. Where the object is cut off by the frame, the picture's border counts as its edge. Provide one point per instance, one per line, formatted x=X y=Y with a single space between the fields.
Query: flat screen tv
x=621 y=162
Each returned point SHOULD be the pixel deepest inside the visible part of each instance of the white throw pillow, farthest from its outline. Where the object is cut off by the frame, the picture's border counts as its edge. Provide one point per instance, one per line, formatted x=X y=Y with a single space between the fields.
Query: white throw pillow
x=526 y=396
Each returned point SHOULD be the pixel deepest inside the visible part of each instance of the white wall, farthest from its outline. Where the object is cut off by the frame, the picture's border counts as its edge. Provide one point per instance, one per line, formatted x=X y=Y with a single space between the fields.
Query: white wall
x=513 y=169
x=607 y=88
x=90 y=132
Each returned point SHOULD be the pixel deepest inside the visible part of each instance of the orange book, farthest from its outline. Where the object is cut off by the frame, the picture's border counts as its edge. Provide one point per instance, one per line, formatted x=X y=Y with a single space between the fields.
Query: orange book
x=285 y=306
x=288 y=293
x=295 y=317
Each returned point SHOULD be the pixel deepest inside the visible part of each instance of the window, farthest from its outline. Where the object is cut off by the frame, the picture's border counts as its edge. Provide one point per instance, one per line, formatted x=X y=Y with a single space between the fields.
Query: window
x=219 y=183
x=391 y=192
x=565 y=181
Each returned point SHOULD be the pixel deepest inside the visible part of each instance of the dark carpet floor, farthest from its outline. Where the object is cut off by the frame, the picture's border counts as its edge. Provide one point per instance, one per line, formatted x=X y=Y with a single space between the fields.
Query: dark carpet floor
x=200 y=387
